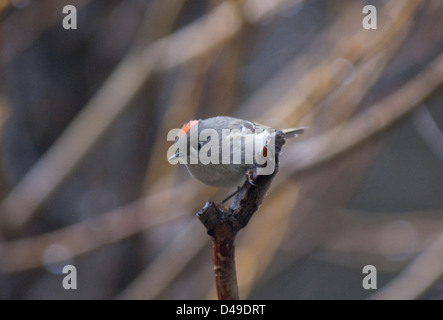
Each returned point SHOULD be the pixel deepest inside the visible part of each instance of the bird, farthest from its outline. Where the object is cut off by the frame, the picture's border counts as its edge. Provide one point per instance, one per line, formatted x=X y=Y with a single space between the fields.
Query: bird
x=242 y=144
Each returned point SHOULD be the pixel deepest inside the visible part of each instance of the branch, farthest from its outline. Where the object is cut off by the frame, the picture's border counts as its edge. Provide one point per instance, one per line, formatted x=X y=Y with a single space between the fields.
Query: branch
x=424 y=272
x=223 y=226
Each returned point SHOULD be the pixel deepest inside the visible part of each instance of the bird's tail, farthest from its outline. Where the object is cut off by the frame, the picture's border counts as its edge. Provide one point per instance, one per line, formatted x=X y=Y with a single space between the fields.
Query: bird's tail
x=293 y=132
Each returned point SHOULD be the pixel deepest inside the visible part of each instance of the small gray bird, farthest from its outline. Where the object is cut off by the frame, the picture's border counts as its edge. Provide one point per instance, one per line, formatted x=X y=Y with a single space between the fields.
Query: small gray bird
x=224 y=149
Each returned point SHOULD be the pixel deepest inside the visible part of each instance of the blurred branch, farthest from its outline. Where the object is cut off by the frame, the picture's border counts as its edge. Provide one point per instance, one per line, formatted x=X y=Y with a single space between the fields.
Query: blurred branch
x=259 y=10
x=320 y=149
x=184 y=101
x=159 y=19
x=369 y=233
x=161 y=272
x=418 y=277
x=389 y=241
x=428 y=130
x=4 y=4
x=108 y=104
x=43 y=14
x=111 y=227
x=316 y=78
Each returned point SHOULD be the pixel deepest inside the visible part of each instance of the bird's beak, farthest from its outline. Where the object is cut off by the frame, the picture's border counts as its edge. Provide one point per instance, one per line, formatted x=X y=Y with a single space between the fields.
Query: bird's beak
x=175 y=155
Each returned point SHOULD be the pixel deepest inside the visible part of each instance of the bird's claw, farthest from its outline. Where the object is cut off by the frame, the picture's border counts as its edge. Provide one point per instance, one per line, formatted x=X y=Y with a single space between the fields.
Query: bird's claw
x=250 y=175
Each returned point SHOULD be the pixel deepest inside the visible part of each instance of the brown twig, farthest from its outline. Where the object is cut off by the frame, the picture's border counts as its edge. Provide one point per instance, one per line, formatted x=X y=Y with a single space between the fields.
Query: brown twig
x=223 y=226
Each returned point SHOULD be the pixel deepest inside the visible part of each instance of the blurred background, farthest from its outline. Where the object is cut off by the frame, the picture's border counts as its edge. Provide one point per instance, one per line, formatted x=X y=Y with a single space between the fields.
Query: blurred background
x=84 y=115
